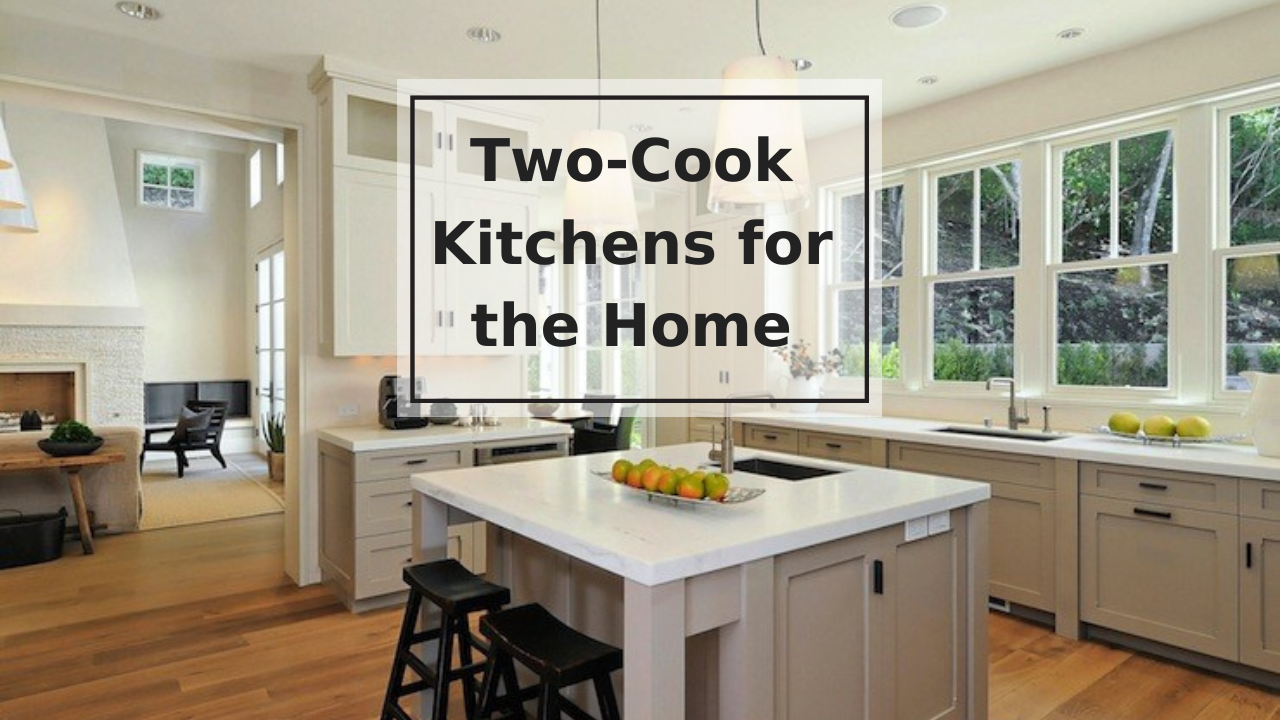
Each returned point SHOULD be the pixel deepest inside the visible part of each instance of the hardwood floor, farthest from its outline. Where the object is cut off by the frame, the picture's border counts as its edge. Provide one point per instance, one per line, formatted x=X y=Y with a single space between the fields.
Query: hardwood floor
x=200 y=622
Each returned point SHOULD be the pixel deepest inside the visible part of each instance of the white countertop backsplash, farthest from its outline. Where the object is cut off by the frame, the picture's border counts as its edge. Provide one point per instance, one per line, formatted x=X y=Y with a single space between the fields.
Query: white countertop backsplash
x=562 y=504
x=366 y=438
x=1216 y=459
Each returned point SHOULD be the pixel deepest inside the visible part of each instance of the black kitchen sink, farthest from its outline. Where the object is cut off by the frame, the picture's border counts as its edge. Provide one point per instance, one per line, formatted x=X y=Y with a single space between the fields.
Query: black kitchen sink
x=1003 y=434
x=781 y=470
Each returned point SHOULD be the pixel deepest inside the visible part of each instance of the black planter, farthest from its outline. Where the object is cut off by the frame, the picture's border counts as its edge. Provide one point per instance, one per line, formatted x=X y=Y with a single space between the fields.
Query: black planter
x=31 y=539
x=69 y=449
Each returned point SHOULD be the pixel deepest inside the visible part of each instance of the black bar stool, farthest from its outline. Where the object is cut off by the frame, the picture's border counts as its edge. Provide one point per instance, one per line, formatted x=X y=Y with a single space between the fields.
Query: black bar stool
x=458 y=593
x=559 y=655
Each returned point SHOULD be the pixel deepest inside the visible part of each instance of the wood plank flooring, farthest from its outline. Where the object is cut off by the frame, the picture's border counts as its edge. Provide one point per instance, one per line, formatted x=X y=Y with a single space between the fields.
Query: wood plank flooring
x=200 y=622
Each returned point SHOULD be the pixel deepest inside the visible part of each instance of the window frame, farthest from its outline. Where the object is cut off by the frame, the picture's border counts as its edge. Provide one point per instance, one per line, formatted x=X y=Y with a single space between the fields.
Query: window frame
x=254 y=164
x=169 y=160
x=829 y=271
x=931 y=277
x=1223 y=250
x=1055 y=266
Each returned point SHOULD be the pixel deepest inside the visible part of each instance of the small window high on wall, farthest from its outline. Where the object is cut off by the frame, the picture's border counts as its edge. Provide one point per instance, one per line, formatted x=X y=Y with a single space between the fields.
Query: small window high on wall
x=255 y=178
x=169 y=182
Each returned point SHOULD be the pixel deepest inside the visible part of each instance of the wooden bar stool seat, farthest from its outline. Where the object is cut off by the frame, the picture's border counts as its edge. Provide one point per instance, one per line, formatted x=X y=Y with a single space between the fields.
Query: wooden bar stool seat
x=559 y=655
x=458 y=593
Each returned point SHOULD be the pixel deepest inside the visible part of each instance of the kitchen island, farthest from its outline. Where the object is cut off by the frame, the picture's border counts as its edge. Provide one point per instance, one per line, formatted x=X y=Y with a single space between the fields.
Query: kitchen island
x=859 y=594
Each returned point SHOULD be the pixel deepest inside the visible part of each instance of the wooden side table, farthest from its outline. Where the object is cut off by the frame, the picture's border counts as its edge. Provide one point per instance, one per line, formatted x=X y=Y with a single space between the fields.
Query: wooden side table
x=16 y=460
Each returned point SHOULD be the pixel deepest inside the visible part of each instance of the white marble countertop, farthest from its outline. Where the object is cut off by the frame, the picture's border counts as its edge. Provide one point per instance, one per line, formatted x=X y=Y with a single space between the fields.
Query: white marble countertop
x=561 y=504
x=364 y=438
x=1231 y=460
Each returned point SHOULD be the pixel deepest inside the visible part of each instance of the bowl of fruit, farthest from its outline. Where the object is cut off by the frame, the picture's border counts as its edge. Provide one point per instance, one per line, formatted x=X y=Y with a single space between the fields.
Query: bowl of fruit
x=1162 y=429
x=678 y=485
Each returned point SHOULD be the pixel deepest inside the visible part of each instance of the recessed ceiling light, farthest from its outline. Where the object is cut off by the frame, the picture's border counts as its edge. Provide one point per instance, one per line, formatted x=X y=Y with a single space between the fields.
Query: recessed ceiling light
x=928 y=80
x=483 y=35
x=917 y=16
x=138 y=11
x=1070 y=33
x=802 y=64
x=641 y=128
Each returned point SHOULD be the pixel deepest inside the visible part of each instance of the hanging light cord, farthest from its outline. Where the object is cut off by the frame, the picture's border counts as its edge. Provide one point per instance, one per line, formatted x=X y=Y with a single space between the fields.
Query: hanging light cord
x=759 y=36
x=599 y=75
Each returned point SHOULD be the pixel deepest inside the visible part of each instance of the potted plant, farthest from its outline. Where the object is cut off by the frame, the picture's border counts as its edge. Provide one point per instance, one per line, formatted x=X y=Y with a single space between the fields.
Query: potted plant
x=273 y=434
x=70 y=438
x=807 y=373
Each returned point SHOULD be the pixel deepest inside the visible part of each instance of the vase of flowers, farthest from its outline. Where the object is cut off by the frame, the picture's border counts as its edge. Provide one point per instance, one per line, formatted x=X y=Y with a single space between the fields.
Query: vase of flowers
x=807 y=373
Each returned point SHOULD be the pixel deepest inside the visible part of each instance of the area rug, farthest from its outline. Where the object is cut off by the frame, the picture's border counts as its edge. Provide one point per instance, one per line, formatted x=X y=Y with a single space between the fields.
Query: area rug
x=208 y=493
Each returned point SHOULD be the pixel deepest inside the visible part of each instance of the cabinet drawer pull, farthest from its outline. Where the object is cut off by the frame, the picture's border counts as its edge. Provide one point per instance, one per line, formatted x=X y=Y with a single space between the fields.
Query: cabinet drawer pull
x=1153 y=486
x=834 y=446
x=420 y=461
x=409 y=504
x=409 y=561
x=769 y=437
x=1248 y=555
x=1165 y=515
x=877 y=577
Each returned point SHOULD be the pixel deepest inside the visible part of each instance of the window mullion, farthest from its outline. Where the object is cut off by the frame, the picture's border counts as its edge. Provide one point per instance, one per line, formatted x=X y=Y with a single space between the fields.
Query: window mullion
x=1114 y=200
x=975 y=228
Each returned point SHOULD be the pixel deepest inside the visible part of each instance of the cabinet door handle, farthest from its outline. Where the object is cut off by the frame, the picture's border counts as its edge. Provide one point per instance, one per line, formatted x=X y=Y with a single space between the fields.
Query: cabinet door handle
x=450 y=318
x=439 y=318
x=450 y=142
x=877 y=577
x=420 y=461
x=439 y=140
x=409 y=504
x=1162 y=514
x=1248 y=555
x=1153 y=486
x=834 y=446
x=726 y=377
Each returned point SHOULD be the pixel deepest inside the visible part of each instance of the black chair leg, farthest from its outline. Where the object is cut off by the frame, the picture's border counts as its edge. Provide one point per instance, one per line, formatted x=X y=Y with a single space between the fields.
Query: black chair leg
x=440 y=698
x=407 y=627
x=489 y=689
x=469 y=690
x=217 y=454
x=607 y=700
x=182 y=463
x=549 y=703
x=142 y=458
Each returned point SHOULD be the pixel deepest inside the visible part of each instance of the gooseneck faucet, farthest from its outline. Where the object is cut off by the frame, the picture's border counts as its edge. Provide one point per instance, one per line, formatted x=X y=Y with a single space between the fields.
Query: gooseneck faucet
x=724 y=455
x=1014 y=418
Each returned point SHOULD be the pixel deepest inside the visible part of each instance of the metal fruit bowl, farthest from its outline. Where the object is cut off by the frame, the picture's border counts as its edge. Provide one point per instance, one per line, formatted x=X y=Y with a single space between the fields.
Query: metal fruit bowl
x=735 y=496
x=1173 y=440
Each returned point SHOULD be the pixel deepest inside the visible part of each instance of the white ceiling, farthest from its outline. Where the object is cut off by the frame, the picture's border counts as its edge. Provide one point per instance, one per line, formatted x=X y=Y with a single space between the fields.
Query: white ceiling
x=979 y=43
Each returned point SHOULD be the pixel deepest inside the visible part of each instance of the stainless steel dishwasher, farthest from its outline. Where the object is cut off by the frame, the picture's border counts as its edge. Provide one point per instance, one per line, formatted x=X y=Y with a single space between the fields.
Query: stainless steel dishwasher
x=511 y=451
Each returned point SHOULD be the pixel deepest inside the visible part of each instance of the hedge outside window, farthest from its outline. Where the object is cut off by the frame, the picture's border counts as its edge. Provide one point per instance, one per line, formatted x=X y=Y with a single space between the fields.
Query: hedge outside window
x=1113 y=327
x=1252 y=317
x=168 y=182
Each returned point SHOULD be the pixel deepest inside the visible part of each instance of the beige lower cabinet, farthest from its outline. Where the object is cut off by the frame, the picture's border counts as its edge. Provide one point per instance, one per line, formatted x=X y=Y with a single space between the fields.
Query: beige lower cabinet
x=766 y=437
x=1161 y=572
x=1023 y=526
x=872 y=627
x=1260 y=575
x=366 y=518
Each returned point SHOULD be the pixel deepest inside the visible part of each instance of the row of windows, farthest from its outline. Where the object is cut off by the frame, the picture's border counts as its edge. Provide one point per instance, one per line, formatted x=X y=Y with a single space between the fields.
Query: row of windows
x=1112 y=245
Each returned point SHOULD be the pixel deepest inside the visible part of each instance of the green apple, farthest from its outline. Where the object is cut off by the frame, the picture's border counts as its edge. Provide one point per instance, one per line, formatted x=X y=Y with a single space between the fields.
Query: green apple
x=1160 y=426
x=669 y=483
x=1125 y=422
x=691 y=487
x=717 y=485
x=1194 y=426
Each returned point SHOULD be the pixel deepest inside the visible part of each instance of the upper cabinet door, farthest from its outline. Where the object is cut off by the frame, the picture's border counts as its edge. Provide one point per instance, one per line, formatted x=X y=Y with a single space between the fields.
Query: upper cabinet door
x=371 y=131
x=466 y=163
x=492 y=284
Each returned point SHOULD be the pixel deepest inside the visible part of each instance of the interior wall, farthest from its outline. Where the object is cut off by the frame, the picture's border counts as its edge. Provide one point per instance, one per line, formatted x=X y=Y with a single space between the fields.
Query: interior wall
x=189 y=266
x=80 y=257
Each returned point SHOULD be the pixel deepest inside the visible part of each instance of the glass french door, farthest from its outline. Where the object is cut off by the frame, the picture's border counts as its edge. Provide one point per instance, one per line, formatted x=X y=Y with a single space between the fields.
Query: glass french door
x=270 y=346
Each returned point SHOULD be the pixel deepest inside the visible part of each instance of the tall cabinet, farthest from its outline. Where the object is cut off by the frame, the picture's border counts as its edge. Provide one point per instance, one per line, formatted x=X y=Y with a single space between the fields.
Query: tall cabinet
x=365 y=167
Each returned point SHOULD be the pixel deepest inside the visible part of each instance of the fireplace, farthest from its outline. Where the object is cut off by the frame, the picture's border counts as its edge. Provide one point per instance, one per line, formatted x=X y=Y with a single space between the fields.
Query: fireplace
x=50 y=391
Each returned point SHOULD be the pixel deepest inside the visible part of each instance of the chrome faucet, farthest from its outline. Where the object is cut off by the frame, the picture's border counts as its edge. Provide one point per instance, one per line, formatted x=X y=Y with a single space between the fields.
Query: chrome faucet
x=1014 y=418
x=724 y=455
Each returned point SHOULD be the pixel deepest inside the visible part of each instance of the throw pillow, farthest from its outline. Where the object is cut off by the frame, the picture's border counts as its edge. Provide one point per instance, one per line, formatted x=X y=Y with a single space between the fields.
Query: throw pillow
x=191 y=426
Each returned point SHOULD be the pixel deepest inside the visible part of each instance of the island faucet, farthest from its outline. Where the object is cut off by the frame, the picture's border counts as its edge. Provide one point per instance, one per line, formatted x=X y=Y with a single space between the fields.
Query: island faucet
x=1014 y=418
x=724 y=455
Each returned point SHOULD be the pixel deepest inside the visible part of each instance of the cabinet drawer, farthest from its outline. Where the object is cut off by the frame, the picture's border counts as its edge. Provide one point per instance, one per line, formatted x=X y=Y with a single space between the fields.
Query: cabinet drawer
x=380 y=561
x=1182 y=490
x=1160 y=572
x=402 y=463
x=383 y=506
x=1260 y=499
x=972 y=464
x=845 y=448
x=771 y=438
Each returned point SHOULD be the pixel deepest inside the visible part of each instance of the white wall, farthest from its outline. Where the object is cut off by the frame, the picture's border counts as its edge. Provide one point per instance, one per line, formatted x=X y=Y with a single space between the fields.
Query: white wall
x=189 y=266
x=80 y=257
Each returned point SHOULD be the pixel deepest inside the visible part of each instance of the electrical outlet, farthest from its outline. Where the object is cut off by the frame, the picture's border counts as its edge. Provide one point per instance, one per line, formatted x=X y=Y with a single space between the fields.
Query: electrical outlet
x=917 y=528
x=939 y=523
x=348 y=410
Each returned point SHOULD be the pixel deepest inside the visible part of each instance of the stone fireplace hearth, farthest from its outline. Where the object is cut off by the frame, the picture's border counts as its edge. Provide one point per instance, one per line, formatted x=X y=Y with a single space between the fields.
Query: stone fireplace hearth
x=97 y=370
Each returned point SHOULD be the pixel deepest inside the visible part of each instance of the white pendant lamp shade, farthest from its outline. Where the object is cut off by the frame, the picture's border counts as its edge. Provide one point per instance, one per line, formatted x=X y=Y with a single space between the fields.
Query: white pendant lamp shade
x=12 y=194
x=608 y=203
x=6 y=155
x=741 y=125
x=18 y=221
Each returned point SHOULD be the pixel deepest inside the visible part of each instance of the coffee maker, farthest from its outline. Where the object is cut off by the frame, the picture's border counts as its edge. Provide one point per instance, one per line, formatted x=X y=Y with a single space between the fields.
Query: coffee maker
x=395 y=412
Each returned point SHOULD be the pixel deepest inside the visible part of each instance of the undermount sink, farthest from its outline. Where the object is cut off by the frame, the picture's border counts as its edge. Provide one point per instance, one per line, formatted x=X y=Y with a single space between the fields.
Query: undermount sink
x=781 y=470
x=1031 y=435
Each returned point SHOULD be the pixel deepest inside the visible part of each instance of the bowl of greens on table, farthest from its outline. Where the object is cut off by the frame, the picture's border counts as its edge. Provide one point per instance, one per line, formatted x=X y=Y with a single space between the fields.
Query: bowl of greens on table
x=69 y=439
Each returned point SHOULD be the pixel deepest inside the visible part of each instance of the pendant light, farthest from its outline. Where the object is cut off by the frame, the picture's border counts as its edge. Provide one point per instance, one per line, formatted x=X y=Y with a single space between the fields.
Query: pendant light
x=608 y=203
x=742 y=123
x=16 y=214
